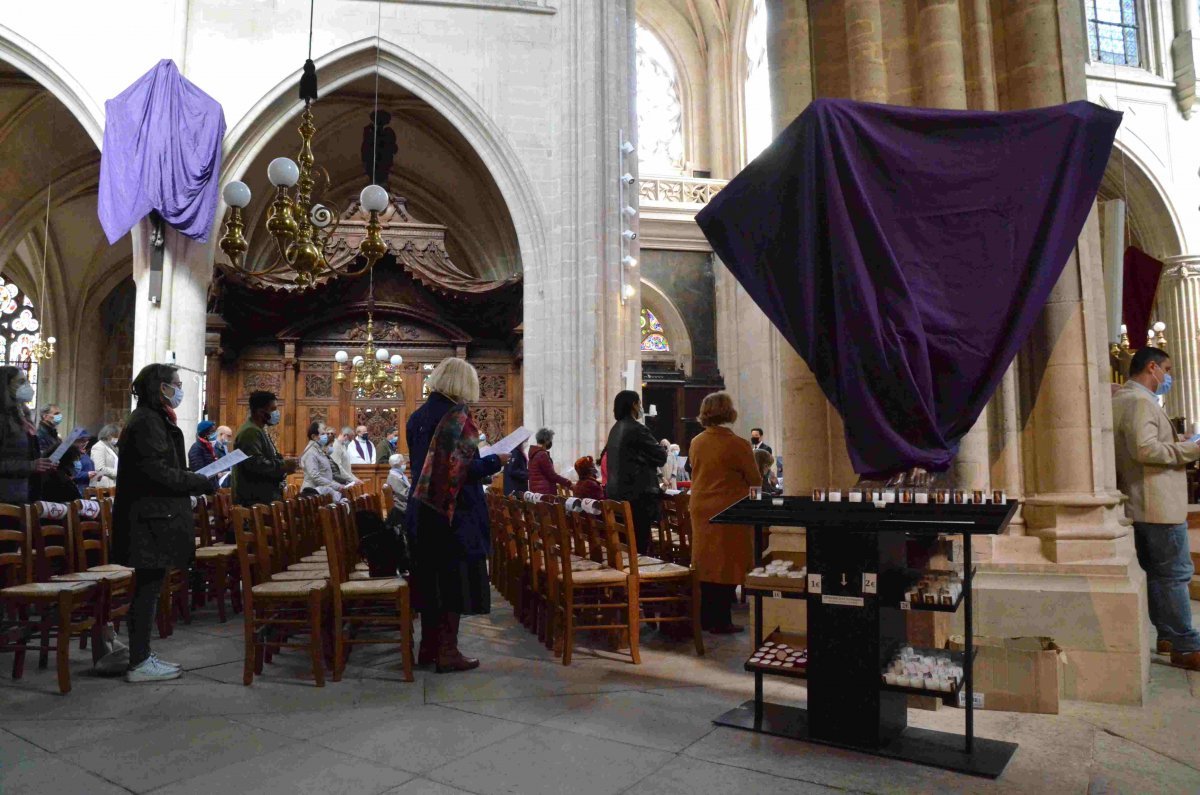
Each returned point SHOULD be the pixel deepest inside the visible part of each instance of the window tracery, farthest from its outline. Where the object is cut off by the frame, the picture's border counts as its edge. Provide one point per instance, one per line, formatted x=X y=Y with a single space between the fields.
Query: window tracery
x=659 y=107
x=654 y=339
x=757 y=89
x=1113 y=32
x=19 y=326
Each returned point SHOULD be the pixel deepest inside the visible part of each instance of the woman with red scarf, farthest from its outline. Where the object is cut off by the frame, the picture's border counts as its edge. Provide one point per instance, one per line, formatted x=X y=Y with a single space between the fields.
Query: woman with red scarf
x=447 y=519
x=152 y=518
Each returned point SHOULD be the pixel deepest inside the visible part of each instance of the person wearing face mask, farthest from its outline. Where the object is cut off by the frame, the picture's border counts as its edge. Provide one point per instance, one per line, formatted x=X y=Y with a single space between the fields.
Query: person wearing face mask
x=259 y=479
x=361 y=450
x=756 y=440
x=401 y=485
x=318 y=468
x=21 y=464
x=543 y=479
x=104 y=458
x=47 y=432
x=203 y=452
x=1151 y=464
x=153 y=530
x=634 y=458
x=87 y=467
x=224 y=443
x=385 y=451
x=60 y=484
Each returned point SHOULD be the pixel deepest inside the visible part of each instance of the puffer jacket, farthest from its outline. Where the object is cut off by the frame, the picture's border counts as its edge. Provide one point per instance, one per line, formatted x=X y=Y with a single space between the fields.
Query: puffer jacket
x=542 y=477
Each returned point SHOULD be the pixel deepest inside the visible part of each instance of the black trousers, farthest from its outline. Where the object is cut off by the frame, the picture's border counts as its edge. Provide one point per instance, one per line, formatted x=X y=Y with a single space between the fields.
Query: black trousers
x=716 y=605
x=146 y=588
x=645 y=509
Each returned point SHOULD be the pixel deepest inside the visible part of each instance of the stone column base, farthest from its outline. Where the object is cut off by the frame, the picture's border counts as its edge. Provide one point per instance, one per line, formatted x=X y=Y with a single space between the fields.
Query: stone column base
x=1096 y=612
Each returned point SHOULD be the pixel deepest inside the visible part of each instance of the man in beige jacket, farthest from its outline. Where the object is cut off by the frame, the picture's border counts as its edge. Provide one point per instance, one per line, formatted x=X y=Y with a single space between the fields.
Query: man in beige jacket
x=1150 y=470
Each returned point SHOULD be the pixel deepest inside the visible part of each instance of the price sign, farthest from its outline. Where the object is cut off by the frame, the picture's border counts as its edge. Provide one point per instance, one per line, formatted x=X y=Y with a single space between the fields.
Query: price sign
x=814 y=583
x=776 y=594
x=905 y=606
x=869 y=582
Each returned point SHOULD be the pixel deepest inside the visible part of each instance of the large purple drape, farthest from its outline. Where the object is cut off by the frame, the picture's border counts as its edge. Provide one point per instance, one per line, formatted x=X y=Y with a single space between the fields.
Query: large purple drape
x=907 y=253
x=162 y=151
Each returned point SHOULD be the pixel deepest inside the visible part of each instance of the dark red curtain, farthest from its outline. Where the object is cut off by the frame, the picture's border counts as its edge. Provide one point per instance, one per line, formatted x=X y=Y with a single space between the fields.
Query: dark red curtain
x=1140 y=283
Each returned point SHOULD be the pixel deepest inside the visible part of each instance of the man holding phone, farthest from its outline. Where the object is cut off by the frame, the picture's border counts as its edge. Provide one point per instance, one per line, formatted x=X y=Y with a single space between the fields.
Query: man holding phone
x=1151 y=466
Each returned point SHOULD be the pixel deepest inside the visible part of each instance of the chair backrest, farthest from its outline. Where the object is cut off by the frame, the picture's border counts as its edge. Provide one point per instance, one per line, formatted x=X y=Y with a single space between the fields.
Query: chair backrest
x=281 y=549
x=253 y=538
x=223 y=511
x=556 y=541
x=388 y=498
x=334 y=533
x=87 y=538
x=291 y=491
x=349 y=531
x=16 y=560
x=203 y=523
x=106 y=522
x=53 y=552
x=620 y=539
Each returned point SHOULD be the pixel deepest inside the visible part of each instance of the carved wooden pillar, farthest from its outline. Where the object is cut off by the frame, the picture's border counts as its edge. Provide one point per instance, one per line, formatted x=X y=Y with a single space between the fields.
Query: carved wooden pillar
x=289 y=430
x=214 y=326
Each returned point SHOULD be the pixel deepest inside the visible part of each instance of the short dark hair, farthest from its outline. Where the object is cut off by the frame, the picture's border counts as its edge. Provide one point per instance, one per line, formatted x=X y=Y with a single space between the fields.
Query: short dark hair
x=624 y=402
x=1146 y=357
x=760 y=431
x=147 y=387
x=260 y=399
x=314 y=429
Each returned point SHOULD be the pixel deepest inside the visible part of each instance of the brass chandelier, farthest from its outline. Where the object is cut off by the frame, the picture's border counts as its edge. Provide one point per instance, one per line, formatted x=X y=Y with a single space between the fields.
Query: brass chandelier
x=305 y=232
x=374 y=372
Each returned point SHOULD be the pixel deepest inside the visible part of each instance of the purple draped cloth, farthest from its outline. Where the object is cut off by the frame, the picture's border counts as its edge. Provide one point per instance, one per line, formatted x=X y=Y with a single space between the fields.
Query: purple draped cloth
x=162 y=151
x=1139 y=286
x=906 y=255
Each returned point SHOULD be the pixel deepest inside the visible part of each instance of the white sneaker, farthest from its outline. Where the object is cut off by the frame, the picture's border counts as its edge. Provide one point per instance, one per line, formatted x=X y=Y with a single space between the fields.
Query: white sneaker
x=151 y=670
x=166 y=664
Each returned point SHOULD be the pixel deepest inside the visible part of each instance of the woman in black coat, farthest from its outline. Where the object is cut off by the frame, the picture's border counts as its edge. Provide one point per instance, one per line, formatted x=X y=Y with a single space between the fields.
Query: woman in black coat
x=447 y=519
x=153 y=529
x=634 y=458
x=20 y=461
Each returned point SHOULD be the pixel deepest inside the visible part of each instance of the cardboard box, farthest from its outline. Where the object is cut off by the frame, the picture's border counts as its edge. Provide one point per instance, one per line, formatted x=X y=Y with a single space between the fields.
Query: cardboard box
x=1016 y=674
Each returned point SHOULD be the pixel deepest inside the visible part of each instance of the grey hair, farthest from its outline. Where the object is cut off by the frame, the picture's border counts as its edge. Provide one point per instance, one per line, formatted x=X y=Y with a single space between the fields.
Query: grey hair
x=543 y=437
x=46 y=408
x=109 y=431
x=456 y=379
x=347 y=429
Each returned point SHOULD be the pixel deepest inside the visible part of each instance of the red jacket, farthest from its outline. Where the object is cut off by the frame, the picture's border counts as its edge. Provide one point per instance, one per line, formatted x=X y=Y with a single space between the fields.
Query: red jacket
x=542 y=477
x=588 y=489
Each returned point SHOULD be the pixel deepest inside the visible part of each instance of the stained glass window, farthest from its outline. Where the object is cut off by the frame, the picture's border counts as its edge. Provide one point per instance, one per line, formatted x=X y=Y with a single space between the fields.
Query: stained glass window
x=653 y=338
x=1112 y=27
x=18 y=330
x=757 y=90
x=659 y=108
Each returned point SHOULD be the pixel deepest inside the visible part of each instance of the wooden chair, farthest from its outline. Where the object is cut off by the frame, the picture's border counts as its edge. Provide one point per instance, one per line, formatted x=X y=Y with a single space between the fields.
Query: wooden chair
x=216 y=565
x=599 y=598
x=62 y=609
x=660 y=584
x=675 y=530
x=275 y=610
x=91 y=562
x=374 y=602
x=387 y=498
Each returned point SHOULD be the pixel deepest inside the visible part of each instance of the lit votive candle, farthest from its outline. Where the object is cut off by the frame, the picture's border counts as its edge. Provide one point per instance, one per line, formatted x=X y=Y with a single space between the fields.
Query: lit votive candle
x=835 y=495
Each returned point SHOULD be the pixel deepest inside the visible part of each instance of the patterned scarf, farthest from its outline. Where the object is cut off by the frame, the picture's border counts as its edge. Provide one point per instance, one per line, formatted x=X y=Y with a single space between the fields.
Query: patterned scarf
x=455 y=443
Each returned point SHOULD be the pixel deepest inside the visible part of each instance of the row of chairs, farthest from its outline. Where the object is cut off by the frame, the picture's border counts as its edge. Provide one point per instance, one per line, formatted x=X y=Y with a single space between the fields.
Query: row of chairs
x=567 y=567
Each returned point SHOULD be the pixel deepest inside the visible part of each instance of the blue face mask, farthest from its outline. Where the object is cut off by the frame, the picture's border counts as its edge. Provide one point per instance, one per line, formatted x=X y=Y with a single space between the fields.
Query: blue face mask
x=78 y=467
x=212 y=437
x=274 y=418
x=1165 y=386
x=57 y=419
x=323 y=440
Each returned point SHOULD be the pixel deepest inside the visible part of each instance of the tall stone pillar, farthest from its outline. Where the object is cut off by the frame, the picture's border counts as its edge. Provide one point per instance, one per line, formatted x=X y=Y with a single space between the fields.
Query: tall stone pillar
x=864 y=51
x=1179 y=308
x=175 y=323
x=1079 y=553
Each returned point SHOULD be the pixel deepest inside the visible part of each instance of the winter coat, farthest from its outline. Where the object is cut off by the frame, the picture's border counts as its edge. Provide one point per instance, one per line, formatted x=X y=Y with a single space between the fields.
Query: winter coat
x=469 y=536
x=723 y=470
x=152 y=517
x=542 y=477
x=634 y=456
x=18 y=451
x=318 y=469
x=48 y=440
x=259 y=479
x=588 y=489
x=104 y=459
x=516 y=473
x=86 y=465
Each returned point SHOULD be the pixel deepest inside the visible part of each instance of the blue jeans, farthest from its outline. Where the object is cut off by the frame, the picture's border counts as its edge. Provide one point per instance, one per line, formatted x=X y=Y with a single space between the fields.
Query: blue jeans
x=1162 y=550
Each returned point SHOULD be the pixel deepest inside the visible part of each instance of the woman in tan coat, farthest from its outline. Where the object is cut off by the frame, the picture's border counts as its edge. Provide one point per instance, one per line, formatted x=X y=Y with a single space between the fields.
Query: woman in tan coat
x=723 y=470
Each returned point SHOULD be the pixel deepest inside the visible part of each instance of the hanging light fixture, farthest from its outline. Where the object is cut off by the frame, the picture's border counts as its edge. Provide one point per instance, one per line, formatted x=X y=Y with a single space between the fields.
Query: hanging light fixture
x=374 y=371
x=305 y=232
x=43 y=348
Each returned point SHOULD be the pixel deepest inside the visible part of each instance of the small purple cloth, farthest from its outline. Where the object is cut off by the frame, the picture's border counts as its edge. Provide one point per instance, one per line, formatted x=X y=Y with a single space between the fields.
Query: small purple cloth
x=162 y=151
x=906 y=255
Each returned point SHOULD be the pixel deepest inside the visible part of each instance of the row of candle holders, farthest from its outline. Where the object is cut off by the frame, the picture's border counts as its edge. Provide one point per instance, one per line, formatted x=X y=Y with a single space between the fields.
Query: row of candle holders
x=907 y=496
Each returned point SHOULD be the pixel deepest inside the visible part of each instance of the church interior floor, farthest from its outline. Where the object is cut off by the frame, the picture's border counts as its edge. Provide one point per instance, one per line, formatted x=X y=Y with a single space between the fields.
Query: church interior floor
x=523 y=723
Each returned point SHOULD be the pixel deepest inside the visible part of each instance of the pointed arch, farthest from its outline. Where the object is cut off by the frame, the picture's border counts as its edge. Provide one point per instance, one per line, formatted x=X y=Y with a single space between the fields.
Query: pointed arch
x=33 y=61
x=674 y=326
x=278 y=109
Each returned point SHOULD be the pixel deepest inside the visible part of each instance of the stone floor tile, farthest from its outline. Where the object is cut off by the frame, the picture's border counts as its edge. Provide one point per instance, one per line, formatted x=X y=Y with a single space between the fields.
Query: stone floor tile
x=683 y=776
x=297 y=769
x=419 y=739
x=1124 y=766
x=423 y=786
x=307 y=725
x=170 y=750
x=26 y=769
x=665 y=722
x=542 y=760
x=58 y=734
x=533 y=710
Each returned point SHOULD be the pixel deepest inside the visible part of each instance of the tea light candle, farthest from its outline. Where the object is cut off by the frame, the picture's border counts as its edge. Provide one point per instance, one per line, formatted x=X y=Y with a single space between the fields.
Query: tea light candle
x=835 y=495
x=818 y=495
x=889 y=496
x=855 y=495
x=922 y=497
x=999 y=497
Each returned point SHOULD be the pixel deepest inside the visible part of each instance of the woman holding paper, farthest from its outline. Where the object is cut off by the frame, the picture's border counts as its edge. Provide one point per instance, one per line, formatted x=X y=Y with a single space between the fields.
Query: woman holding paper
x=447 y=520
x=19 y=455
x=153 y=529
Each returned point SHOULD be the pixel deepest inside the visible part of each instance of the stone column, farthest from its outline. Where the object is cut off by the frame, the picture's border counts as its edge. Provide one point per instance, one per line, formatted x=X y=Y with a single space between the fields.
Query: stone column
x=979 y=29
x=939 y=36
x=177 y=322
x=1079 y=551
x=864 y=51
x=1179 y=307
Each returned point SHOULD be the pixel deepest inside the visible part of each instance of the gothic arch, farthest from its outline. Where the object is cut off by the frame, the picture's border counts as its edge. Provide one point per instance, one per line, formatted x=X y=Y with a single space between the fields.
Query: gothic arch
x=278 y=109
x=26 y=56
x=674 y=327
x=660 y=24
x=1152 y=220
